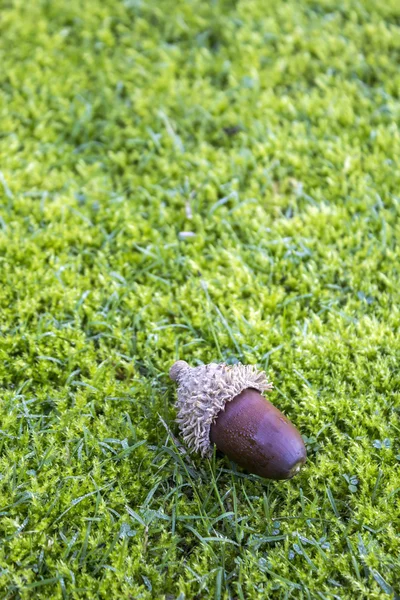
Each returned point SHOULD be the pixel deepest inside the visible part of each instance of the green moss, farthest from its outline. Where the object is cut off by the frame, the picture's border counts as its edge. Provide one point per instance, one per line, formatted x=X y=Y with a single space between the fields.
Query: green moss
x=269 y=130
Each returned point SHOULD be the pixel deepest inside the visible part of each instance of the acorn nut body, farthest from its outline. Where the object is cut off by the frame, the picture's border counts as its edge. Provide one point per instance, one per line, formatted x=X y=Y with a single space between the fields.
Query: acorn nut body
x=258 y=437
x=223 y=405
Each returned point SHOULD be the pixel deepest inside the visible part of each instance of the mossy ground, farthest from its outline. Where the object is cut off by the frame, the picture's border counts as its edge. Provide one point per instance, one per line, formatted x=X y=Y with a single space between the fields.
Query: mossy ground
x=210 y=181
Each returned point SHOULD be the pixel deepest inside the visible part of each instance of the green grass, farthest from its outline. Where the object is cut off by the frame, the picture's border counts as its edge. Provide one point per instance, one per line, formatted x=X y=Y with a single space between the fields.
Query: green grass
x=208 y=180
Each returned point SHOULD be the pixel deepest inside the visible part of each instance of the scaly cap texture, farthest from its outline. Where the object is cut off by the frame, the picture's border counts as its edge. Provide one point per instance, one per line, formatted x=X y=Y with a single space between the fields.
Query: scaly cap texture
x=203 y=392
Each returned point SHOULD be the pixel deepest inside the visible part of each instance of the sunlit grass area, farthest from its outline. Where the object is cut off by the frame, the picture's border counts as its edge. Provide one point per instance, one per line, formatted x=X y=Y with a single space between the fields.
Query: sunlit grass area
x=210 y=181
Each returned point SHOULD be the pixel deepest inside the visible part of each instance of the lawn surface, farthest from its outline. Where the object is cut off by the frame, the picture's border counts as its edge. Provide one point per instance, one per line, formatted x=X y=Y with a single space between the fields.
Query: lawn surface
x=208 y=180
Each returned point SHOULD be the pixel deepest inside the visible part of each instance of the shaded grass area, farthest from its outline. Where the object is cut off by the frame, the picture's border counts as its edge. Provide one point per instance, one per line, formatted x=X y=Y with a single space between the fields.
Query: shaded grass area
x=208 y=181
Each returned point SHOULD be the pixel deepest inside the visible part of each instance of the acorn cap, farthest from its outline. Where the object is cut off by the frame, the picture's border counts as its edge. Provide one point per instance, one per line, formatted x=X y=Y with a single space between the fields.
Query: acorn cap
x=203 y=392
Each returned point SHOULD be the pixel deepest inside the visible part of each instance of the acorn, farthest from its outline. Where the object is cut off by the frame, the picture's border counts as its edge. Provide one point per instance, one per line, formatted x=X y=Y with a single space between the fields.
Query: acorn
x=223 y=405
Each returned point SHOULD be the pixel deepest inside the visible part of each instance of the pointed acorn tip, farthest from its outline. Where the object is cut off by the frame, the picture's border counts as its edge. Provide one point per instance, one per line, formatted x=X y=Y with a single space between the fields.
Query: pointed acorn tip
x=177 y=368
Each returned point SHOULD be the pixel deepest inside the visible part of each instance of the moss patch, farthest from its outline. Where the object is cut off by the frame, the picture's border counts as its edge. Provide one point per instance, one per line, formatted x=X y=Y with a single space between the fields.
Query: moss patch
x=208 y=181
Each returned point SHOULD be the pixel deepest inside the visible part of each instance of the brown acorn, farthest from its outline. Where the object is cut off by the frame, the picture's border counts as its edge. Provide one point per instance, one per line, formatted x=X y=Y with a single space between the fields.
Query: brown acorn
x=223 y=405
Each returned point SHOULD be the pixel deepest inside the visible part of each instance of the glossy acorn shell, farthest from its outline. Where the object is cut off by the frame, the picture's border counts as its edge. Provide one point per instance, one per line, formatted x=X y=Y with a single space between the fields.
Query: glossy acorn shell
x=258 y=437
